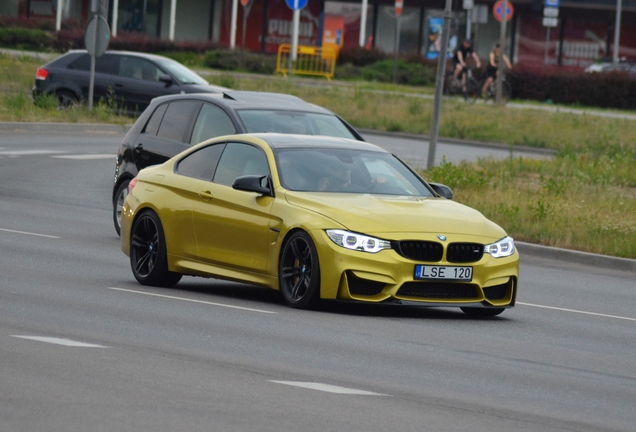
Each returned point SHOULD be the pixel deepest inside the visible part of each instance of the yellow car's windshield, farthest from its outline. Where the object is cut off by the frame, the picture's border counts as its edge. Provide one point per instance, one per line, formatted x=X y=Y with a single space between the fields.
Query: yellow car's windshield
x=348 y=171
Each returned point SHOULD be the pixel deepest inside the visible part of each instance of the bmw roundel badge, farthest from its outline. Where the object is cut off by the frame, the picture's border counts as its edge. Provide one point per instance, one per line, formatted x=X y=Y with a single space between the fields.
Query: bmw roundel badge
x=441 y=237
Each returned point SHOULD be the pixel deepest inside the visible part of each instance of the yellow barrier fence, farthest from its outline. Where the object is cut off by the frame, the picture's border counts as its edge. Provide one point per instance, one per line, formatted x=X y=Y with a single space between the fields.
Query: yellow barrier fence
x=309 y=61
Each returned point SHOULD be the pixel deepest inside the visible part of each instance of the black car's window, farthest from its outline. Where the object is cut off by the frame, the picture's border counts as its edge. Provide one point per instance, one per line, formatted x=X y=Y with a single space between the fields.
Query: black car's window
x=182 y=73
x=293 y=122
x=153 y=124
x=212 y=122
x=106 y=63
x=238 y=160
x=350 y=171
x=176 y=120
x=202 y=163
x=138 y=68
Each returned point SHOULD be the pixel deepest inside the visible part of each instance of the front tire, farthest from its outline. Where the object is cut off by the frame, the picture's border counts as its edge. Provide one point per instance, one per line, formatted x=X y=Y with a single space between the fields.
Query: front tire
x=148 y=254
x=482 y=311
x=299 y=271
x=118 y=204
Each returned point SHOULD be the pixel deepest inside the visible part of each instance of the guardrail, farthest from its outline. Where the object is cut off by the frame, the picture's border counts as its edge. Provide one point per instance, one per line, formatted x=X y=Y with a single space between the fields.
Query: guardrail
x=309 y=61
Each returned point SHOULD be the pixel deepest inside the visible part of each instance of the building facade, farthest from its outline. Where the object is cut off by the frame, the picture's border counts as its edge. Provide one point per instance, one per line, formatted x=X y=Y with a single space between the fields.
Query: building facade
x=584 y=29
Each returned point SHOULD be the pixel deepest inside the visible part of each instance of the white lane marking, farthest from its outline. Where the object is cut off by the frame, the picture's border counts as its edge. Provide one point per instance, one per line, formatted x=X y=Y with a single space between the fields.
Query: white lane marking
x=86 y=156
x=59 y=341
x=28 y=152
x=578 y=311
x=328 y=388
x=28 y=233
x=194 y=301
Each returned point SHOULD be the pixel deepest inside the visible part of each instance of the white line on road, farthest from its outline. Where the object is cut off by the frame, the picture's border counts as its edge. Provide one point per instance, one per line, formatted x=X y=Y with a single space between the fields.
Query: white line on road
x=329 y=388
x=28 y=152
x=28 y=233
x=59 y=341
x=86 y=156
x=193 y=301
x=578 y=311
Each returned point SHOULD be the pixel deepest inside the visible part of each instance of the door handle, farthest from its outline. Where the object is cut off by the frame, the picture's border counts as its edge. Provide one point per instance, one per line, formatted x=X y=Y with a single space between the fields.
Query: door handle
x=206 y=195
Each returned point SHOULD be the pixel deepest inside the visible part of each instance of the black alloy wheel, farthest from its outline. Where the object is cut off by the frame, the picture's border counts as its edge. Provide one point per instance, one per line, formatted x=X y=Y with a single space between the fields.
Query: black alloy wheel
x=118 y=204
x=148 y=257
x=66 y=99
x=482 y=311
x=299 y=271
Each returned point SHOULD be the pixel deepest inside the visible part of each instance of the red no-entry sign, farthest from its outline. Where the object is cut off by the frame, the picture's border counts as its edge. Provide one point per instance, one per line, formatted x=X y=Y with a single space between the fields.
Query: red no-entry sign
x=497 y=11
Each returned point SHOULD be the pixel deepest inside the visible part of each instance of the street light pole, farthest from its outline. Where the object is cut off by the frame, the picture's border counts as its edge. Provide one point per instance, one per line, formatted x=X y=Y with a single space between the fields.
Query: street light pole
x=617 y=30
x=439 y=85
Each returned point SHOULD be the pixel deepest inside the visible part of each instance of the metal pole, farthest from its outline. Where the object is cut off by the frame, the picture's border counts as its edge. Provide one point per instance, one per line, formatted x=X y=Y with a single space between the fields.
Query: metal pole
x=58 y=15
x=547 y=46
x=363 y=24
x=397 y=47
x=173 y=18
x=113 y=30
x=502 y=48
x=439 y=85
x=617 y=30
x=91 y=85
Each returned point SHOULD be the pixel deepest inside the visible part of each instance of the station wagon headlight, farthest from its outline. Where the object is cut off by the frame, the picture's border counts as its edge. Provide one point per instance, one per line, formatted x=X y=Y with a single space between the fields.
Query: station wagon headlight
x=503 y=248
x=354 y=241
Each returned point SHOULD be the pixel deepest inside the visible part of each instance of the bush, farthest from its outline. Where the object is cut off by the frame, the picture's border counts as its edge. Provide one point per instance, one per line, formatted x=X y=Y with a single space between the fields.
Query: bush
x=409 y=73
x=605 y=90
x=25 y=38
x=241 y=60
x=360 y=56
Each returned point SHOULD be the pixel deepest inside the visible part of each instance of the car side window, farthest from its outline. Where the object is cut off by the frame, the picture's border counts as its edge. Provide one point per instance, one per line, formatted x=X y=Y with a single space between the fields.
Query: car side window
x=212 y=122
x=138 y=68
x=202 y=163
x=107 y=64
x=239 y=159
x=177 y=120
x=152 y=127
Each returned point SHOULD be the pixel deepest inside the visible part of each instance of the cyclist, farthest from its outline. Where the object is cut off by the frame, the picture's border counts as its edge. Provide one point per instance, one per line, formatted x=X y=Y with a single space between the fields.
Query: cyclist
x=492 y=67
x=463 y=53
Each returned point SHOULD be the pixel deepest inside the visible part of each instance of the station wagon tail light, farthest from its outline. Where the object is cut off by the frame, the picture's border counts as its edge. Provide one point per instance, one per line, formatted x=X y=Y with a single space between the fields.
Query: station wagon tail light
x=503 y=248
x=354 y=241
x=132 y=184
x=41 y=74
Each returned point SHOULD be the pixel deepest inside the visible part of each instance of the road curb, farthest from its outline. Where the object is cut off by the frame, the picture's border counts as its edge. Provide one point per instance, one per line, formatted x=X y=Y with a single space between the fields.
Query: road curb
x=584 y=258
x=87 y=128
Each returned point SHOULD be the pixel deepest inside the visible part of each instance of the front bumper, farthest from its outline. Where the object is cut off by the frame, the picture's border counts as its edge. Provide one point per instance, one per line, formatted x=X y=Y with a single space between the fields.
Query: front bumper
x=387 y=277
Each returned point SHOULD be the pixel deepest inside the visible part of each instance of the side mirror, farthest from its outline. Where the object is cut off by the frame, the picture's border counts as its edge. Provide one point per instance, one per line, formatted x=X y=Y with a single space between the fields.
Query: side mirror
x=166 y=79
x=442 y=190
x=254 y=183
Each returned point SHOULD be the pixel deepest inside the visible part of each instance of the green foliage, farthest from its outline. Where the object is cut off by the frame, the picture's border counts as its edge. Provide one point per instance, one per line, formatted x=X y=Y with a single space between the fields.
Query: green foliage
x=25 y=38
x=240 y=60
x=410 y=73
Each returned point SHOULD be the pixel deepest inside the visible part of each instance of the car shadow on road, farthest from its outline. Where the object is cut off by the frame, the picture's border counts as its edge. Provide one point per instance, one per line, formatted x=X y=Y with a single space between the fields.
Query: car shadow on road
x=253 y=293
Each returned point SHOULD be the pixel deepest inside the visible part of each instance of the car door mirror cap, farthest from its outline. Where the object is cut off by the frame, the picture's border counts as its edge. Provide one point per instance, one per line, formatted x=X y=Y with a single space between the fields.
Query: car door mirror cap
x=442 y=190
x=253 y=183
x=166 y=78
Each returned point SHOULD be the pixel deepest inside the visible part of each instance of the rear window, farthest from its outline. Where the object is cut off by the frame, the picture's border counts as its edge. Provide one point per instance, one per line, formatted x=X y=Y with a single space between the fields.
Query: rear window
x=107 y=64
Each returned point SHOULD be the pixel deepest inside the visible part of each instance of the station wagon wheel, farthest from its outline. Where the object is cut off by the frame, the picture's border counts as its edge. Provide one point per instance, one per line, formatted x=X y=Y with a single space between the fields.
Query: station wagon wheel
x=66 y=99
x=299 y=271
x=118 y=204
x=148 y=257
x=482 y=311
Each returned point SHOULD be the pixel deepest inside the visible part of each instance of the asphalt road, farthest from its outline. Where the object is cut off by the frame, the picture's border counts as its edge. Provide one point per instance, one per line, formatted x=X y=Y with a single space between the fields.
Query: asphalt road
x=84 y=347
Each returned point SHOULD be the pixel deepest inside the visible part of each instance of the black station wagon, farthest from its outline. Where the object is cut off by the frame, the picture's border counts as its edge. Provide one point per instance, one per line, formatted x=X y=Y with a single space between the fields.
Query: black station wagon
x=171 y=124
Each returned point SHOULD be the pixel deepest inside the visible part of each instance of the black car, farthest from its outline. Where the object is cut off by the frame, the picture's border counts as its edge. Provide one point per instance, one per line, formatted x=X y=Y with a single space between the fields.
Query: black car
x=171 y=124
x=131 y=78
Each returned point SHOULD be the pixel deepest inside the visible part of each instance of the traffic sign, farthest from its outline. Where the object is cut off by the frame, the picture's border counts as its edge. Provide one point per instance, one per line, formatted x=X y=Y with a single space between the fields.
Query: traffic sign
x=497 y=11
x=245 y=2
x=398 y=7
x=550 y=22
x=551 y=12
x=296 y=4
x=551 y=3
x=97 y=36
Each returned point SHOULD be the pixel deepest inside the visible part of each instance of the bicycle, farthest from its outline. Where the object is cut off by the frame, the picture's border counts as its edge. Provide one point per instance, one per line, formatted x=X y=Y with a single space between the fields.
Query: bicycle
x=453 y=86
x=491 y=92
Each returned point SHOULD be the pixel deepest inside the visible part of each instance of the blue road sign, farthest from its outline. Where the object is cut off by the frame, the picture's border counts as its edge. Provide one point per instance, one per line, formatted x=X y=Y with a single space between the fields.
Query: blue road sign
x=297 y=4
x=551 y=3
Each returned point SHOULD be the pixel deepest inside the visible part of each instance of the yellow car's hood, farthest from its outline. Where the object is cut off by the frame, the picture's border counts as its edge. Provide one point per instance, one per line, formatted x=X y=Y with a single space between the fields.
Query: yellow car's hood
x=375 y=214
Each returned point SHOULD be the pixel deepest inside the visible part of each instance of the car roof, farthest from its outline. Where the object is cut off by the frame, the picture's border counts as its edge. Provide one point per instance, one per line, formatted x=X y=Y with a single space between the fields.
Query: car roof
x=283 y=141
x=237 y=100
x=129 y=53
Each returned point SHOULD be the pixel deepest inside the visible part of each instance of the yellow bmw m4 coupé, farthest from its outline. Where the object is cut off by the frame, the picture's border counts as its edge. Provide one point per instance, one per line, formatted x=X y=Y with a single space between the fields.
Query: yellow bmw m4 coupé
x=316 y=218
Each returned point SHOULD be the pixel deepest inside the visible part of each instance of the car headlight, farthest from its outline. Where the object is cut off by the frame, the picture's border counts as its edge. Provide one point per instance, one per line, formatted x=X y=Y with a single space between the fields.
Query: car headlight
x=503 y=248
x=354 y=241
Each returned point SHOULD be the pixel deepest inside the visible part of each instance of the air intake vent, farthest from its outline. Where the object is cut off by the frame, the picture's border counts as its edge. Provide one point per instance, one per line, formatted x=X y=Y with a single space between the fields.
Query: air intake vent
x=464 y=252
x=420 y=250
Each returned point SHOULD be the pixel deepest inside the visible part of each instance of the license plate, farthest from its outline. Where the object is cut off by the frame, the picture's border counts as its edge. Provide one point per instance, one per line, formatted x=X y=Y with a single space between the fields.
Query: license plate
x=444 y=272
